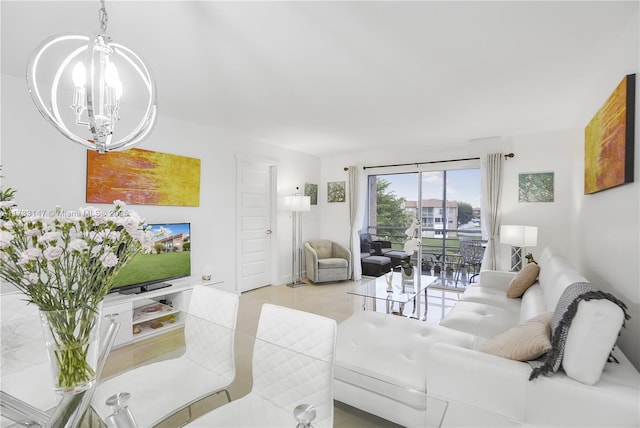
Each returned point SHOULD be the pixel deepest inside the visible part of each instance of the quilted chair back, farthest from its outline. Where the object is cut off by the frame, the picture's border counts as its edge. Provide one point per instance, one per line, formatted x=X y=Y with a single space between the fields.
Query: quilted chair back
x=293 y=361
x=323 y=247
x=209 y=330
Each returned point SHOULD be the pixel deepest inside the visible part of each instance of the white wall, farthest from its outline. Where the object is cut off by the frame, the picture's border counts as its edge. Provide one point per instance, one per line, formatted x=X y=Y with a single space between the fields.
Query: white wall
x=547 y=152
x=49 y=170
x=607 y=223
x=544 y=152
x=599 y=234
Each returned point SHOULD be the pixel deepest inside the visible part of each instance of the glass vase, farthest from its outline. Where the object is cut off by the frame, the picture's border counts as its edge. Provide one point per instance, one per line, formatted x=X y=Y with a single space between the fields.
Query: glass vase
x=72 y=341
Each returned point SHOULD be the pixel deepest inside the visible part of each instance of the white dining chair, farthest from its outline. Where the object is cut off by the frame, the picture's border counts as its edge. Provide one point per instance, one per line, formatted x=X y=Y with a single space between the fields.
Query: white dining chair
x=292 y=365
x=207 y=366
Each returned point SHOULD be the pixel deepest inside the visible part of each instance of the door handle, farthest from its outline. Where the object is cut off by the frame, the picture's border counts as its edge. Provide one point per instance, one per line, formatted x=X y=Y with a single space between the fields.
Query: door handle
x=268 y=231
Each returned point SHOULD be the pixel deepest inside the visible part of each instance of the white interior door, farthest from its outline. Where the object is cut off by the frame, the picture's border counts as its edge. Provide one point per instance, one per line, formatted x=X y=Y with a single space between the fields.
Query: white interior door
x=254 y=224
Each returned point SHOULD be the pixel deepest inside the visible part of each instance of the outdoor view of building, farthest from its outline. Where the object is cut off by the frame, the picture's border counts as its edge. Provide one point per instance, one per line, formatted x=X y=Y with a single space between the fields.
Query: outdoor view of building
x=433 y=216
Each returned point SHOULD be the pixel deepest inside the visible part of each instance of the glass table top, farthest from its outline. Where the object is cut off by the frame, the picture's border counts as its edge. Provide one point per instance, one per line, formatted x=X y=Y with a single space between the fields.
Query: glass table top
x=199 y=355
x=391 y=287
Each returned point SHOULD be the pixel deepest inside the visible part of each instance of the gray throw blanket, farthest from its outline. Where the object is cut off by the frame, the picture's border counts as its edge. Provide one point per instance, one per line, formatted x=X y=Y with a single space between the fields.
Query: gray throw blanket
x=566 y=309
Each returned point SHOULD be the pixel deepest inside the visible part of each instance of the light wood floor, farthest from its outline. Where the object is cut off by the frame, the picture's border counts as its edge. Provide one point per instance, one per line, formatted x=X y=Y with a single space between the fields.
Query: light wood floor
x=330 y=300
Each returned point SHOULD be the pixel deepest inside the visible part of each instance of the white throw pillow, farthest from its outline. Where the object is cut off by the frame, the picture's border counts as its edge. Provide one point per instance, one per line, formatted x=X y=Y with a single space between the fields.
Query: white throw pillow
x=590 y=339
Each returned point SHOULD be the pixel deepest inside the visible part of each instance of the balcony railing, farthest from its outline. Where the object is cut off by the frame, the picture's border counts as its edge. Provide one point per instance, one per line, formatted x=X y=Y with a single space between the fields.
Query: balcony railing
x=440 y=253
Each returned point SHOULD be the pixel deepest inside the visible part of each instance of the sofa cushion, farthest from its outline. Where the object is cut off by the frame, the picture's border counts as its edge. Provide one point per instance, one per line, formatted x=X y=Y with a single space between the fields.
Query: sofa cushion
x=586 y=322
x=377 y=260
x=323 y=247
x=332 y=263
x=377 y=249
x=480 y=319
x=523 y=342
x=533 y=303
x=397 y=369
x=491 y=296
x=555 y=275
x=523 y=280
x=592 y=335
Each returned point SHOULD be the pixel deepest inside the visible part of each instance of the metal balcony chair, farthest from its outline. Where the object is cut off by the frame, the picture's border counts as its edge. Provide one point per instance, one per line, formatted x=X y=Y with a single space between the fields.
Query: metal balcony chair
x=471 y=254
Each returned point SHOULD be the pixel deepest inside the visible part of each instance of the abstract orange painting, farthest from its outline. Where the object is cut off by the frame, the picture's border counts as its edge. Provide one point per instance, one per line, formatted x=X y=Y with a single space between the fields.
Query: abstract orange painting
x=608 y=151
x=145 y=177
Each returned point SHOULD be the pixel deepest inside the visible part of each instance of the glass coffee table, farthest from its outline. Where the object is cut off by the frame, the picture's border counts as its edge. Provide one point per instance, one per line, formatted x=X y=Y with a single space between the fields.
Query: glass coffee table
x=391 y=290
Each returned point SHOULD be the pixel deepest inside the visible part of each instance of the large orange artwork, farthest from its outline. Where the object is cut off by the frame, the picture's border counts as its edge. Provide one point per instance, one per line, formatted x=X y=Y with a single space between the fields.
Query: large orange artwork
x=608 y=154
x=145 y=177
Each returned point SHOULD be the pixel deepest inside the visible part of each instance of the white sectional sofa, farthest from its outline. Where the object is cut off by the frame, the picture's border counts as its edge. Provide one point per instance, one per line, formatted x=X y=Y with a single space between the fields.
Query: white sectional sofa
x=418 y=374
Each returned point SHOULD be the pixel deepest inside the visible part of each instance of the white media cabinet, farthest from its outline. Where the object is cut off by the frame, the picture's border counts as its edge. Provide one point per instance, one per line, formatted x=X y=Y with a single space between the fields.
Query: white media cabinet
x=153 y=312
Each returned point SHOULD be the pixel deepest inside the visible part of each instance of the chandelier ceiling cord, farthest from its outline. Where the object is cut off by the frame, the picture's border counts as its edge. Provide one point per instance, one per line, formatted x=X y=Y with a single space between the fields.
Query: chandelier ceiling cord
x=86 y=70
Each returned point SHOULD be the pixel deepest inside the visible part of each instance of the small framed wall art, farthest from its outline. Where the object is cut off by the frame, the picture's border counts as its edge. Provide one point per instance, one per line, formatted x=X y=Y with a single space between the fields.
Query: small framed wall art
x=311 y=190
x=336 y=191
x=535 y=187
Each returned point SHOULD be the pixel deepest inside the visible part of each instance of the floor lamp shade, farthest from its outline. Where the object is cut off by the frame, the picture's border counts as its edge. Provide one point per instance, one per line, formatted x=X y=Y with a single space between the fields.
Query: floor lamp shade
x=518 y=237
x=296 y=204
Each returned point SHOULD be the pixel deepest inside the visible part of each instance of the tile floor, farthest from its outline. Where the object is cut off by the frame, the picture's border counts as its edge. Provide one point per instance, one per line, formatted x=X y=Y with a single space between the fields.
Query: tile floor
x=330 y=300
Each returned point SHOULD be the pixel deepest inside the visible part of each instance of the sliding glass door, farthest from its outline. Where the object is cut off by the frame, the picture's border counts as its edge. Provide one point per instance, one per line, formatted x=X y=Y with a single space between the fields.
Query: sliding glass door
x=446 y=203
x=450 y=216
x=388 y=211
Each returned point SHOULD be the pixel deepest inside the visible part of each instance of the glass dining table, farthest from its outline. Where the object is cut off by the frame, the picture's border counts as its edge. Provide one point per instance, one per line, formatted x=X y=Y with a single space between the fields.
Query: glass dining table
x=191 y=371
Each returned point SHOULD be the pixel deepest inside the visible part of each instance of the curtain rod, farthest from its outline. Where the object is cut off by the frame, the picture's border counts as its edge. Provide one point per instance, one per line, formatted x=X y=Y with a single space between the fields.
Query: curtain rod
x=508 y=155
x=419 y=163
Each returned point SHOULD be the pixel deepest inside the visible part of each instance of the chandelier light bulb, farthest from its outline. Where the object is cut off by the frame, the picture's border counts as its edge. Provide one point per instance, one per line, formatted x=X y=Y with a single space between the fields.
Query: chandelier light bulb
x=111 y=77
x=79 y=75
x=118 y=88
x=86 y=78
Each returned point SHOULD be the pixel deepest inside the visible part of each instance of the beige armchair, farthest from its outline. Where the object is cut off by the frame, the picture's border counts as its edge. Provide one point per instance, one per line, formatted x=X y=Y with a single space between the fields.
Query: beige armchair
x=327 y=261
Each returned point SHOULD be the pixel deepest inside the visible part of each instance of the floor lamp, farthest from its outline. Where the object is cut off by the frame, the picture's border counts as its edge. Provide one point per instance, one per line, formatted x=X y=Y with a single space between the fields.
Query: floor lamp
x=518 y=237
x=297 y=203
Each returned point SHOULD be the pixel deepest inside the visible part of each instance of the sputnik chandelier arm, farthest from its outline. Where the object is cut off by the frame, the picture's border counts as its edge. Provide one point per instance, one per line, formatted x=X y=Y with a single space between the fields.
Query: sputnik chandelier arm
x=87 y=76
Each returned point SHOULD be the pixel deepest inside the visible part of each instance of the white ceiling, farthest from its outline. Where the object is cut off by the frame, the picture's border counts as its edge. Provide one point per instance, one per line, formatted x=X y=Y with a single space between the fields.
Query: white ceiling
x=328 y=77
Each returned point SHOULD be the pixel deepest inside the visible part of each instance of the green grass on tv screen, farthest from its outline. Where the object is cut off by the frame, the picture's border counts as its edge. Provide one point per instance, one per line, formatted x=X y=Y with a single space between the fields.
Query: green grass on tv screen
x=152 y=267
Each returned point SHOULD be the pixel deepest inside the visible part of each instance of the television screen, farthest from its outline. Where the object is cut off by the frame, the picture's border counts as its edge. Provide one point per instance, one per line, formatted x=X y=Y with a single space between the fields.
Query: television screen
x=170 y=258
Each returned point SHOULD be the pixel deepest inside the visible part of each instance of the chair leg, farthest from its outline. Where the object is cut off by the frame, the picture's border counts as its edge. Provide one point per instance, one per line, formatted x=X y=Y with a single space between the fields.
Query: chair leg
x=226 y=391
x=475 y=273
x=460 y=272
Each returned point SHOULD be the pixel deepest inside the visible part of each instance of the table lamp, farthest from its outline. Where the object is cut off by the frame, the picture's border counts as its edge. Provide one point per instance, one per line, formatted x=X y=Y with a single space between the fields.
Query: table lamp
x=518 y=237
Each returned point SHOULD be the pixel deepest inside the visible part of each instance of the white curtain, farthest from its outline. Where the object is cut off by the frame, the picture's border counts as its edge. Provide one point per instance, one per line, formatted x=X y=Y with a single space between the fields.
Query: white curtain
x=491 y=170
x=357 y=197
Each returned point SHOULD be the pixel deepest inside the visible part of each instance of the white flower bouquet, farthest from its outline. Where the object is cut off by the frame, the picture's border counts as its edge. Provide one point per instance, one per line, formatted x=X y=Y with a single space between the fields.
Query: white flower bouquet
x=65 y=264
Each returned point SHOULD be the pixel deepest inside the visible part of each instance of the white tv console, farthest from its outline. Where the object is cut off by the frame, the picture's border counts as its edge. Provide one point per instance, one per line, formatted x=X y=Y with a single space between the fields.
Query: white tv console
x=153 y=312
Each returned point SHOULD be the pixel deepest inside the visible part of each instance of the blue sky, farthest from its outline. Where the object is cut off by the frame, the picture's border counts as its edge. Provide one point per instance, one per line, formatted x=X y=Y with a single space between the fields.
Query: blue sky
x=462 y=185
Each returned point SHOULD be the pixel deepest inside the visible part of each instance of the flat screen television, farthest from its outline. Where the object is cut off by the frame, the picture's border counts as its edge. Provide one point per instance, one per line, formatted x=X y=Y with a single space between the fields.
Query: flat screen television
x=169 y=259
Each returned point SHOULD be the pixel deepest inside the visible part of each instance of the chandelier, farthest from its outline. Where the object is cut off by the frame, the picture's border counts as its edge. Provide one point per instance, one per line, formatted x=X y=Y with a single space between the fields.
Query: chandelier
x=77 y=83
